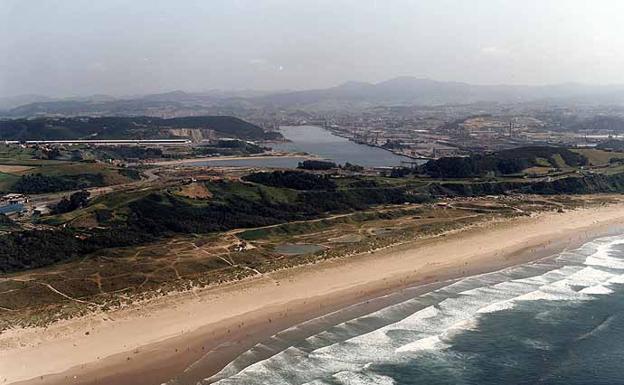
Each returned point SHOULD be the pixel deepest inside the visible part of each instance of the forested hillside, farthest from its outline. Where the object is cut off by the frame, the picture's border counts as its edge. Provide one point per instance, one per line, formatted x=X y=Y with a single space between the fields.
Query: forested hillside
x=503 y=162
x=127 y=128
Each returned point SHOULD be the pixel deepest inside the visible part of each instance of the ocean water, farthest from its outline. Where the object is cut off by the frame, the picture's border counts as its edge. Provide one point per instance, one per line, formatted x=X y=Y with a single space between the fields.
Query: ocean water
x=557 y=321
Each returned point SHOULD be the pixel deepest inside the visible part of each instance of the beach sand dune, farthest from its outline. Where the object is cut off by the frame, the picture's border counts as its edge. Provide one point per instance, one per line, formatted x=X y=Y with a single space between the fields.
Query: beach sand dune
x=153 y=341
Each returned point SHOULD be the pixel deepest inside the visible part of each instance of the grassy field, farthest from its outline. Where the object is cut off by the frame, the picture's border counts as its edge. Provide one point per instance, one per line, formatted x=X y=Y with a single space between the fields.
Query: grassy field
x=10 y=173
x=110 y=277
x=7 y=180
x=17 y=161
x=115 y=202
x=598 y=157
x=358 y=214
x=11 y=153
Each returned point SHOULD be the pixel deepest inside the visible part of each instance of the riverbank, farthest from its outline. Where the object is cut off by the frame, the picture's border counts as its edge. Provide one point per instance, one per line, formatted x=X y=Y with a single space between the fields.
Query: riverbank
x=340 y=149
x=374 y=145
x=152 y=342
x=271 y=155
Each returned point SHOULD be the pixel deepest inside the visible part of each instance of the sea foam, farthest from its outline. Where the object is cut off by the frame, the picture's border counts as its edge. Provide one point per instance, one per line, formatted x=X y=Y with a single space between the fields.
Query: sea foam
x=341 y=355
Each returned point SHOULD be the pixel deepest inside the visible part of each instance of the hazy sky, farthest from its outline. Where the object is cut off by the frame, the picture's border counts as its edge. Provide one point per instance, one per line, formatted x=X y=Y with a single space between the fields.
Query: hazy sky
x=80 y=47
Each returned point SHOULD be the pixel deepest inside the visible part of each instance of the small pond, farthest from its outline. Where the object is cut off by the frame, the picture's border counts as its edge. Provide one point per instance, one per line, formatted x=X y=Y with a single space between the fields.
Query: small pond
x=297 y=248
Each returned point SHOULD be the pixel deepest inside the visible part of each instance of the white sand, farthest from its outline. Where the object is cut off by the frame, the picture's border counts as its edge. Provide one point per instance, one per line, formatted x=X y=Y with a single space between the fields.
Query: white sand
x=30 y=353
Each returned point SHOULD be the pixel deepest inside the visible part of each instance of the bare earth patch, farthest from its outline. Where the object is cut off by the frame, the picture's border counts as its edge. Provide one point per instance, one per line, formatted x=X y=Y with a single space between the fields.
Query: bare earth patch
x=195 y=191
x=9 y=169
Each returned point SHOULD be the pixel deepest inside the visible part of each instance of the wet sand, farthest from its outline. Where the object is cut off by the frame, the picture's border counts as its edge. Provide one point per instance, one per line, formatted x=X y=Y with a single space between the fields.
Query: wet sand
x=153 y=342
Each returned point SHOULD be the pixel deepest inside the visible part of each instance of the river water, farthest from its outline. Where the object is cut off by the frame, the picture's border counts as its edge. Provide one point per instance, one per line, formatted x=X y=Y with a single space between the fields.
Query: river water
x=320 y=142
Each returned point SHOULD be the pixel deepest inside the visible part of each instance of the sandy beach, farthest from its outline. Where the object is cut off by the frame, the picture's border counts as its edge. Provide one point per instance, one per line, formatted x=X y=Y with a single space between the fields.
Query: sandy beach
x=153 y=342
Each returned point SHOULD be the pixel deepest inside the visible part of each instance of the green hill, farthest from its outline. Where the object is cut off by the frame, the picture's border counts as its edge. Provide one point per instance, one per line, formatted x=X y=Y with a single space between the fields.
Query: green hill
x=503 y=162
x=140 y=127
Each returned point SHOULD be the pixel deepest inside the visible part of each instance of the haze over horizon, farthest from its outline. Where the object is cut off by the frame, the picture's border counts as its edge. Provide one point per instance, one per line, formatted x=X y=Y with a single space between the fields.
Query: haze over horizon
x=259 y=92
x=71 y=48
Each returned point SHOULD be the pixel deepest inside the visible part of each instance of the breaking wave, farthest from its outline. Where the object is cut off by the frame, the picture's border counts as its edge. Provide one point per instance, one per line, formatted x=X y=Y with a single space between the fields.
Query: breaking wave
x=438 y=327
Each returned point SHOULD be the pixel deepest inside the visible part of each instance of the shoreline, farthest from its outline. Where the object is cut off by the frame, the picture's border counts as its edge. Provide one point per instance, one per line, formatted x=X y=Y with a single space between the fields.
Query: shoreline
x=352 y=139
x=343 y=135
x=155 y=341
x=227 y=158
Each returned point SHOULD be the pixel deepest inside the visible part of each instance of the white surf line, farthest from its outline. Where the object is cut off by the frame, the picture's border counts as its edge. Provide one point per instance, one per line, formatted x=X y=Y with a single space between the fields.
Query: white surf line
x=553 y=284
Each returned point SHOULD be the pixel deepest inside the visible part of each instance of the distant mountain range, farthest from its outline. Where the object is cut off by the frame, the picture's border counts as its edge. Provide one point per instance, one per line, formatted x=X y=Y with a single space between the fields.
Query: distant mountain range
x=414 y=91
x=351 y=95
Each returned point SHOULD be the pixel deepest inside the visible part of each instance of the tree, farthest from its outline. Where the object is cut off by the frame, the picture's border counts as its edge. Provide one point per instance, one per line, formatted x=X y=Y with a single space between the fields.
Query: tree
x=76 y=200
x=316 y=165
x=400 y=172
x=352 y=167
x=80 y=198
